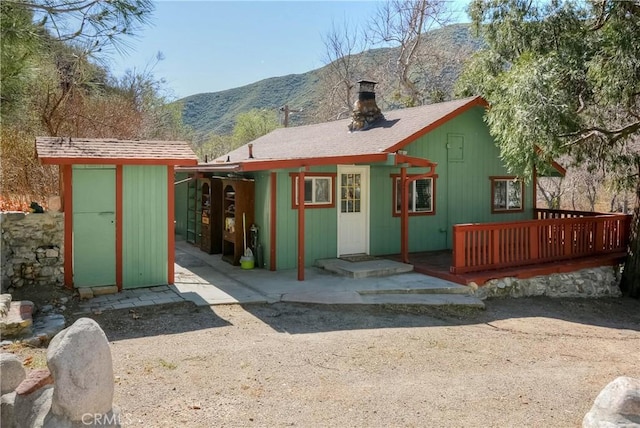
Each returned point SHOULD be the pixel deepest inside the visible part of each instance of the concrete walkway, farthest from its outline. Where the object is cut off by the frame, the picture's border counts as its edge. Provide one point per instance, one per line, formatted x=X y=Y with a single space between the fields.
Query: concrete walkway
x=206 y=280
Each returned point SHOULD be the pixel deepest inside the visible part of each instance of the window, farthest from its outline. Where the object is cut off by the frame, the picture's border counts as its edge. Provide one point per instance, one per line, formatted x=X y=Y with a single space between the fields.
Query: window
x=421 y=198
x=318 y=190
x=506 y=194
x=350 y=193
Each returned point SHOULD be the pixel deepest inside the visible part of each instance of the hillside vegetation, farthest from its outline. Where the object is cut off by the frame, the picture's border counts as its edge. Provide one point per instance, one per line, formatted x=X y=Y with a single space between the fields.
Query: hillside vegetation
x=215 y=112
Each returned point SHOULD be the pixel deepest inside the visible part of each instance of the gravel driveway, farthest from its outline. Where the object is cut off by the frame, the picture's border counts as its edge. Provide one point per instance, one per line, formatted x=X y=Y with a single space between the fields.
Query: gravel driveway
x=525 y=362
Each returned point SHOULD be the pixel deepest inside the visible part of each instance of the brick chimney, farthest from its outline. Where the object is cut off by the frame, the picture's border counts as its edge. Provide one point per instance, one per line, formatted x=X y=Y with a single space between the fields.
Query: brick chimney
x=365 y=110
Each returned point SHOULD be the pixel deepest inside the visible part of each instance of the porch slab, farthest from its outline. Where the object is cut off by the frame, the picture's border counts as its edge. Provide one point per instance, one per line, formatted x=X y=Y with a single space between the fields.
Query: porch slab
x=364 y=269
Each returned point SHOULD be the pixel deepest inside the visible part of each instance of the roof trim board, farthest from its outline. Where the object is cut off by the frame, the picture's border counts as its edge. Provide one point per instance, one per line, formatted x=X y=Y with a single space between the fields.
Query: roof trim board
x=476 y=102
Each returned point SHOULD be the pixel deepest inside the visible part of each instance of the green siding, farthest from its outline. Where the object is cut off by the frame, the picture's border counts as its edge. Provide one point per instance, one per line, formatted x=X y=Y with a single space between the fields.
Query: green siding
x=466 y=157
x=262 y=213
x=144 y=203
x=320 y=223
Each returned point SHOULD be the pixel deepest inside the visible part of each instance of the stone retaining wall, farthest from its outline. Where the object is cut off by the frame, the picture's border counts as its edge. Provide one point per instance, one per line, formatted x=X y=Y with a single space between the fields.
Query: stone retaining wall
x=32 y=249
x=594 y=282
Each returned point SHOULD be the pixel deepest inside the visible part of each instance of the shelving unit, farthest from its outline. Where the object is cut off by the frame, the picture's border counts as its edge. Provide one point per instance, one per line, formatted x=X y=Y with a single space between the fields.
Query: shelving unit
x=211 y=215
x=191 y=211
x=238 y=206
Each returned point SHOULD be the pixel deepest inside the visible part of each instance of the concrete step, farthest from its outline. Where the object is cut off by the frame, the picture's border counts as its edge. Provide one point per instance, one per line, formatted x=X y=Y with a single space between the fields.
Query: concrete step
x=359 y=298
x=364 y=269
x=450 y=288
x=423 y=300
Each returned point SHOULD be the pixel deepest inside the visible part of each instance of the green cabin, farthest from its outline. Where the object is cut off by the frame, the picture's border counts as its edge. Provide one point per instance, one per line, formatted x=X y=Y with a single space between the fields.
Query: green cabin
x=384 y=185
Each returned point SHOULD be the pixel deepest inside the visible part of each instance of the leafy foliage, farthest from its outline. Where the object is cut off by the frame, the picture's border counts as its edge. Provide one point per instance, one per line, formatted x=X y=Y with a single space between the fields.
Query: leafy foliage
x=89 y=25
x=52 y=86
x=563 y=77
x=253 y=124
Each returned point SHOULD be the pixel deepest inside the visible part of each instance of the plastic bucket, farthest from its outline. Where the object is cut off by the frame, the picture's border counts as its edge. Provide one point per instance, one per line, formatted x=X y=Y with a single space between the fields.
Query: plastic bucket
x=247 y=262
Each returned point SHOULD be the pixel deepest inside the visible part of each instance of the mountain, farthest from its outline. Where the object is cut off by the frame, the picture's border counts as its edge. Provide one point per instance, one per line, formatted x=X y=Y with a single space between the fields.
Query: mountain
x=215 y=112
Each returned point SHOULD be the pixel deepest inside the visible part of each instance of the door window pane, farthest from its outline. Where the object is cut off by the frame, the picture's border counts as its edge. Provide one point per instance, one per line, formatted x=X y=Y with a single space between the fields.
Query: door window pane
x=350 y=193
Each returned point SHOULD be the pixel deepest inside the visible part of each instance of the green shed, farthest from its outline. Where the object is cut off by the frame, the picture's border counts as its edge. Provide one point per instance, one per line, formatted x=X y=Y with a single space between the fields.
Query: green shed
x=118 y=200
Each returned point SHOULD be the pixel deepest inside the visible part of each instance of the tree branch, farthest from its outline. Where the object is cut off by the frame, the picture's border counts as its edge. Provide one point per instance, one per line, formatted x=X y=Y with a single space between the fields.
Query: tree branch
x=612 y=136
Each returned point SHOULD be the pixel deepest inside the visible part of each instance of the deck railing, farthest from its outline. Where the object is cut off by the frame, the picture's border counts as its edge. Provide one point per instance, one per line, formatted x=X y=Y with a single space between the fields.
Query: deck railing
x=486 y=246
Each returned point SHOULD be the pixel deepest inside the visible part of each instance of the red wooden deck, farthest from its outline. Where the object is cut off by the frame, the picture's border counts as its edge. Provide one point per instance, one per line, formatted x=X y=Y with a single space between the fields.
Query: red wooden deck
x=555 y=242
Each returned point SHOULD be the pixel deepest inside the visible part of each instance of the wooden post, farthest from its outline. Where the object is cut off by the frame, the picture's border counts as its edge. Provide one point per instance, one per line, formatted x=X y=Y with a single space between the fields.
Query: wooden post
x=171 y=229
x=68 y=224
x=301 y=225
x=458 y=249
x=404 y=215
x=119 y=230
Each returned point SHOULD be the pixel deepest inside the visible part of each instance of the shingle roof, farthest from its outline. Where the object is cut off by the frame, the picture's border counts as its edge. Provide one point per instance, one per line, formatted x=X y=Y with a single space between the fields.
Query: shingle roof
x=333 y=139
x=58 y=150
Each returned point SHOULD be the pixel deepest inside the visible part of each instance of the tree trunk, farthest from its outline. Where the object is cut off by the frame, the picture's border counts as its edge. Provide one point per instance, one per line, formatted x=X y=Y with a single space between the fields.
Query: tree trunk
x=630 y=284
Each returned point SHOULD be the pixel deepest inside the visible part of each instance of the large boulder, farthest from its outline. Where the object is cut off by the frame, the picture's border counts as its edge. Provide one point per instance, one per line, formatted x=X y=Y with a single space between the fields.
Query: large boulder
x=80 y=361
x=617 y=405
x=12 y=373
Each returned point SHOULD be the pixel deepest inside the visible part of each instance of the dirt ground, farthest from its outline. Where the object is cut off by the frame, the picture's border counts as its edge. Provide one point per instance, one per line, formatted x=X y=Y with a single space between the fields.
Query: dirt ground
x=521 y=362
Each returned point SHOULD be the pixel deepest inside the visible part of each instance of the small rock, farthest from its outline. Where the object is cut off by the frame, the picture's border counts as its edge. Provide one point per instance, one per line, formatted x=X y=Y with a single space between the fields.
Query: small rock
x=51 y=253
x=36 y=380
x=85 y=293
x=11 y=371
x=46 y=308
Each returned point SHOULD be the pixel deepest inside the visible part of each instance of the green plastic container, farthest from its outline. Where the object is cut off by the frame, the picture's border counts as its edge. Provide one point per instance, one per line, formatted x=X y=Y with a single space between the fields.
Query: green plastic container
x=247 y=262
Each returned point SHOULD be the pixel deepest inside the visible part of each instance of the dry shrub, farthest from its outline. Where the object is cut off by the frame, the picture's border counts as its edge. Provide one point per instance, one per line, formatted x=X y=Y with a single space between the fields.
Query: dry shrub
x=23 y=179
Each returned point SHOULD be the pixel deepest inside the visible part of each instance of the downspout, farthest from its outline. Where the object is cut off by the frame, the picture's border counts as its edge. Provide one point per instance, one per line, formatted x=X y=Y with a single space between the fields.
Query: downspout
x=301 y=225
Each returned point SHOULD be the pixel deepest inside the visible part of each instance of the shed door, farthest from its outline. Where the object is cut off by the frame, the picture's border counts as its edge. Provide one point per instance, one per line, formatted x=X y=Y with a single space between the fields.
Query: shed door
x=144 y=226
x=94 y=226
x=353 y=210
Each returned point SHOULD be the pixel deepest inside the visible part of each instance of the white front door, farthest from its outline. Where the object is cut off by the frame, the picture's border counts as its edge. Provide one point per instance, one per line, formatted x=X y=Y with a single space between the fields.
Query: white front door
x=353 y=210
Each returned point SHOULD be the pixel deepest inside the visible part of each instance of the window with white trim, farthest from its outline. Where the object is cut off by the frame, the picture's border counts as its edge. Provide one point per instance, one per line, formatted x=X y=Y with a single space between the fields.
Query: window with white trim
x=420 y=198
x=506 y=194
x=318 y=191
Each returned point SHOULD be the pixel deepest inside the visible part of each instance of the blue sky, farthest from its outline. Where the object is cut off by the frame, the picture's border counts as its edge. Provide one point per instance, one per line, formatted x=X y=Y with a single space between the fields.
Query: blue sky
x=210 y=46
